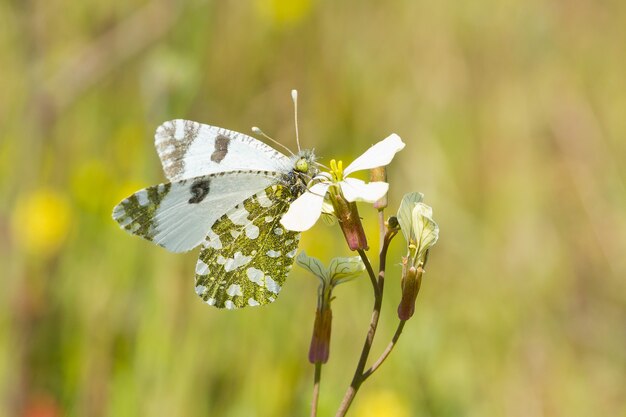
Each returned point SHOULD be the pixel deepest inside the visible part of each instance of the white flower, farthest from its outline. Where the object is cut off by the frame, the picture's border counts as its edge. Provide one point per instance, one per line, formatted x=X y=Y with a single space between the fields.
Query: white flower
x=306 y=209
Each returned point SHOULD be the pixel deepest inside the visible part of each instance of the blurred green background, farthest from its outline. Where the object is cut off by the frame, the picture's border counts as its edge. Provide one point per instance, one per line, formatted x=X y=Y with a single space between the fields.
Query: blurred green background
x=514 y=116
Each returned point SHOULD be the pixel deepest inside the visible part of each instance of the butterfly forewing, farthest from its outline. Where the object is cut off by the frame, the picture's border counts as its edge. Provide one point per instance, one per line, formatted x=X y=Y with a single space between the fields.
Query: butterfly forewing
x=247 y=254
x=178 y=215
x=189 y=149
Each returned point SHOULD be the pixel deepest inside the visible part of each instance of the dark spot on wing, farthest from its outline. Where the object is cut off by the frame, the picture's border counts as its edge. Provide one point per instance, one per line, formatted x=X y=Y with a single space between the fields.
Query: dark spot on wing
x=199 y=190
x=221 y=148
x=173 y=149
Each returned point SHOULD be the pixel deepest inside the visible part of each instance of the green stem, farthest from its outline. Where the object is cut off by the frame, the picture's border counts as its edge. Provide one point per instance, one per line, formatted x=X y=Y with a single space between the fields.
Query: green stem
x=386 y=352
x=357 y=379
x=370 y=270
x=382 y=229
x=359 y=375
x=316 y=388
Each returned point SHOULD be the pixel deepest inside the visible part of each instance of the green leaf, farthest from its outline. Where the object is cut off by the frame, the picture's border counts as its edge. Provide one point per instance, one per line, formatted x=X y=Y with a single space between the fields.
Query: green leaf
x=313 y=265
x=339 y=271
x=345 y=269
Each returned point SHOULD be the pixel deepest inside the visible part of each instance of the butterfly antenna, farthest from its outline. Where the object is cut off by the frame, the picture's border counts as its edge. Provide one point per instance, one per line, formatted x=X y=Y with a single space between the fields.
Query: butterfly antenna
x=323 y=166
x=294 y=97
x=259 y=132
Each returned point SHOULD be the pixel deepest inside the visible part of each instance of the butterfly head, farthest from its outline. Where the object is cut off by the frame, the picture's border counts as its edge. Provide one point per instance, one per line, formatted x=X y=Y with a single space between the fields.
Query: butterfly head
x=303 y=169
x=304 y=163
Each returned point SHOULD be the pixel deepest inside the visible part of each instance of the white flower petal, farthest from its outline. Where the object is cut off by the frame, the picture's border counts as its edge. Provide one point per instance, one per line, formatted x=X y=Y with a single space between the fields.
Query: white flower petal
x=357 y=190
x=327 y=207
x=328 y=213
x=378 y=155
x=306 y=209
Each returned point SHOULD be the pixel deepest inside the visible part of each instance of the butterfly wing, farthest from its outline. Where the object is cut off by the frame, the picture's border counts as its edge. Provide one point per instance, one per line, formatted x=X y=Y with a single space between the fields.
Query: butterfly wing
x=189 y=149
x=178 y=215
x=247 y=253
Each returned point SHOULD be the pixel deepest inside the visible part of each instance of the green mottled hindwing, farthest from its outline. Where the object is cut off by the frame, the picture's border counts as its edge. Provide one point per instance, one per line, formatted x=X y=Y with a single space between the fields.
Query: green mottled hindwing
x=247 y=253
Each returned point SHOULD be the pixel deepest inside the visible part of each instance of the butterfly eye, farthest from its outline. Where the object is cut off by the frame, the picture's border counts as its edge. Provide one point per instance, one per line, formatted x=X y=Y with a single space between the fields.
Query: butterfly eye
x=302 y=165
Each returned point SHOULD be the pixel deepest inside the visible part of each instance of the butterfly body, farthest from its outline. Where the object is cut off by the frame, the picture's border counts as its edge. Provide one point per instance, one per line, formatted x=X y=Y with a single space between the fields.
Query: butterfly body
x=227 y=193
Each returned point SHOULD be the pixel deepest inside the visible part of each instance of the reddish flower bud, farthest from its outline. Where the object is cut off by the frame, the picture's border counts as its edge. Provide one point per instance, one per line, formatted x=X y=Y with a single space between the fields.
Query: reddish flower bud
x=350 y=222
x=320 y=341
x=411 y=282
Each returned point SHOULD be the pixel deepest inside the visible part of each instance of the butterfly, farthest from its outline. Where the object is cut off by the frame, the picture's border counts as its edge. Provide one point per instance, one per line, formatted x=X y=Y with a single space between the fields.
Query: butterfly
x=226 y=193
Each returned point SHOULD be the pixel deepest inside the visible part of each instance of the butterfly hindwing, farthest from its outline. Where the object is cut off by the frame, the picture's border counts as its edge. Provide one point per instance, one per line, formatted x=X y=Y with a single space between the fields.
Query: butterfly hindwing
x=247 y=253
x=178 y=215
x=189 y=149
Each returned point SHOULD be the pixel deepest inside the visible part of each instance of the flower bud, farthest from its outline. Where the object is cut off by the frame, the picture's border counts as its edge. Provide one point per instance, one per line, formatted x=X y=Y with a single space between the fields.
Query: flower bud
x=340 y=270
x=350 y=222
x=320 y=341
x=411 y=282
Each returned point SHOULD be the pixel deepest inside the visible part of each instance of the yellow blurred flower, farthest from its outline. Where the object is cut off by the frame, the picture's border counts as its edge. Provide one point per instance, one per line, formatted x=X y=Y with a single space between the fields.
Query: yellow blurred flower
x=283 y=11
x=40 y=221
x=381 y=404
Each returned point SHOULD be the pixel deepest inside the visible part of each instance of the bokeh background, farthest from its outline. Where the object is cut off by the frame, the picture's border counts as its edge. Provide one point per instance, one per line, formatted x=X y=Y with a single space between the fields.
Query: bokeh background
x=514 y=115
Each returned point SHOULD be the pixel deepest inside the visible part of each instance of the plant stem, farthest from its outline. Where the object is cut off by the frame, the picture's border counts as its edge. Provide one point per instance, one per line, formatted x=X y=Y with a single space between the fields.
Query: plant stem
x=370 y=271
x=358 y=377
x=382 y=229
x=387 y=351
x=316 y=388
